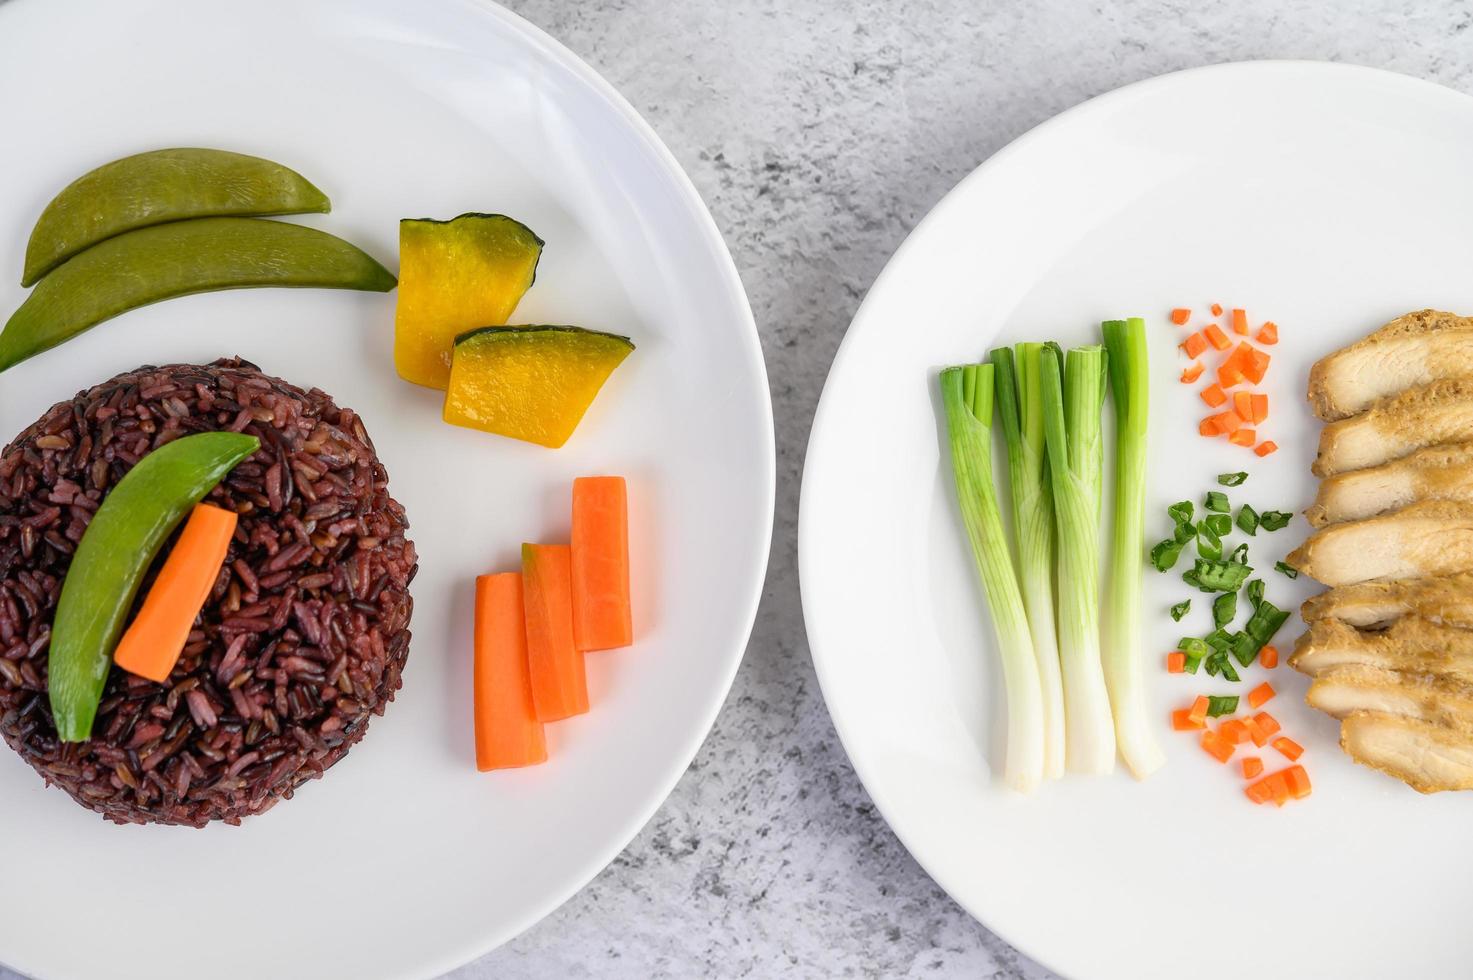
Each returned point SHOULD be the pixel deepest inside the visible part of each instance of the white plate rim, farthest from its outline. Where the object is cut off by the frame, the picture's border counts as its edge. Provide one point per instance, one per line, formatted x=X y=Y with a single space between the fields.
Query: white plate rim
x=825 y=666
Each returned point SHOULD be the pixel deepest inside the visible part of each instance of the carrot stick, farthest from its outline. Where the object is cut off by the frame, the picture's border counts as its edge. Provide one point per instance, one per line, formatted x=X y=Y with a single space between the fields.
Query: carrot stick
x=1258 y=408
x=153 y=642
x=1297 y=781
x=1182 y=721
x=559 y=686
x=1235 y=730
x=1228 y=422
x=1266 y=447
x=1243 y=405
x=1194 y=345
x=1218 y=747
x=1229 y=374
x=508 y=733
x=1292 y=750
x=1192 y=373
x=601 y=615
x=1260 y=695
x=1208 y=427
x=1240 y=321
x=1213 y=396
x=1198 y=710
x=1180 y=316
x=1262 y=726
x=1216 y=337
x=1256 y=366
x=1269 y=657
x=1176 y=662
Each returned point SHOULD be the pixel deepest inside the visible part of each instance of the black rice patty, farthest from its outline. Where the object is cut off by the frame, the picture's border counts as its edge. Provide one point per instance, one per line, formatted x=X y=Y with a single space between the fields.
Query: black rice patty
x=301 y=642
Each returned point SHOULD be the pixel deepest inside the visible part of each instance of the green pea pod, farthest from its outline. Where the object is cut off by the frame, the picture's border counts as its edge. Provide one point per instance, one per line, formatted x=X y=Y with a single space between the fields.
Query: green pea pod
x=119 y=545
x=162 y=185
x=152 y=264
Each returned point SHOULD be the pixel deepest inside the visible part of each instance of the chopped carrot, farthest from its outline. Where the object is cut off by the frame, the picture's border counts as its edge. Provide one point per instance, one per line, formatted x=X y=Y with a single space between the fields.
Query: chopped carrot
x=508 y=733
x=600 y=555
x=1194 y=345
x=1256 y=366
x=1292 y=750
x=1243 y=437
x=1266 y=447
x=1260 y=695
x=1252 y=767
x=1297 y=781
x=1269 y=657
x=1262 y=727
x=1240 y=322
x=1180 y=316
x=1257 y=408
x=1268 y=333
x=559 y=684
x=1243 y=405
x=1228 y=422
x=1216 y=337
x=155 y=639
x=1182 y=721
x=1234 y=730
x=1273 y=788
x=1228 y=374
x=1176 y=662
x=1217 y=309
x=1218 y=747
x=1192 y=373
x=1208 y=427
x=1198 y=710
x=1213 y=396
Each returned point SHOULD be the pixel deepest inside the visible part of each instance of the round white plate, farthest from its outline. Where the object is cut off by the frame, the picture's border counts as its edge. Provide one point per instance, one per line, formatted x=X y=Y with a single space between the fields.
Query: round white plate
x=403 y=861
x=1327 y=198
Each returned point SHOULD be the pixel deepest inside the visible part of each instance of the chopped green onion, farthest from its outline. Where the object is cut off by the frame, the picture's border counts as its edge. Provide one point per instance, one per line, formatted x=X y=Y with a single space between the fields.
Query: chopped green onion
x=1240 y=554
x=1180 y=609
x=1273 y=520
x=1232 y=479
x=1225 y=668
x=1218 y=576
x=1180 y=513
x=1217 y=706
x=1191 y=663
x=1245 y=648
x=1224 y=608
x=1209 y=543
x=1221 y=524
x=1192 y=646
x=967 y=396
x=1286 y=569
x=1185 y=532
x=1219 y=639
x=1248 y=520
x=1217 y=502
x=1165 y=554
x=1254 y=591
x=1265 y=622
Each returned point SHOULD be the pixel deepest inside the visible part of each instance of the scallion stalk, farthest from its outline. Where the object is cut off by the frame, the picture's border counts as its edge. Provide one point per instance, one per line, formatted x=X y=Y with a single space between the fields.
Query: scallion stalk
x=967 y=396
x=1130 y=382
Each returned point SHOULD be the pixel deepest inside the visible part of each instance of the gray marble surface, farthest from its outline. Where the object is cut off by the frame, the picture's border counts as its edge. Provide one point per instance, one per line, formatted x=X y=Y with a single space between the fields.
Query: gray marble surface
x=819 y=132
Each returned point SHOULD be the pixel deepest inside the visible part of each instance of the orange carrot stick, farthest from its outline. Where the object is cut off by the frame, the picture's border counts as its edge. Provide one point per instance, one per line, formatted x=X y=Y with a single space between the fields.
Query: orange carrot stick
x=1218 y=747
x=1216 y=337
x=1240 y=321
x=559 y=685
x=1194 y=345
x=1208 y=427
x=1258 y=408
x=1292 y=750
x=1297 y=781
x=1182 y=721
x=1198 y=710
x=1269 y=657
x=1176 y=662
x=1180 y=316
x=1266 y=447
x=508 y=733
x=1260 y=695
x=601 y=615
x=1243 y=405
x=153 y=642
x=1228 y=422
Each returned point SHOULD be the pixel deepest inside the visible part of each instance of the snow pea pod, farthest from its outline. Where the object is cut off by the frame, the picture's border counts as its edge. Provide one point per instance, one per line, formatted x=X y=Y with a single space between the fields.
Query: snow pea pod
x=115 y=552
x=158 y=186
x=183 y=257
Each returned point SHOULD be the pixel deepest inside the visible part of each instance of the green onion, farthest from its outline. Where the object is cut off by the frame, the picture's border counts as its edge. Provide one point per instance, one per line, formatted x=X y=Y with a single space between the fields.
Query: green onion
x=1221 y=524
x=1165 y=554
x=1180 y=609
x=1217 y=705
x=1240 y=554
x=1130 y=388
x=1245 y=648
x=1286 y=569
x=1217 y=502
x=1191 y=663
x=1073 y=400
x=1232 y=479
x=1209 y=543
x=1248 y=520
x=1265 y=622
x=1273 y=520
x=1224 y=608
x=1218 y=576
x=1220 y=640
x=967 y=396
x=1180 y=513
x=1254 y=591
x=1225 y=667
x=1185 y=532
x=1020 y=406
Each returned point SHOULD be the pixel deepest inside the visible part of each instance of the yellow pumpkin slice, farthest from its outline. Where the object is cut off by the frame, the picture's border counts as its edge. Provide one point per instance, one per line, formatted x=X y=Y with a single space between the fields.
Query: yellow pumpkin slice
x=455 y=275
x=530 y=383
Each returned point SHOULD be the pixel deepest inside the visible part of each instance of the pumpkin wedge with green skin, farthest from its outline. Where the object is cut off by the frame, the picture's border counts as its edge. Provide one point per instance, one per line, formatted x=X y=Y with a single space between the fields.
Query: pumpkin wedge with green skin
x=530 y=383
x=470 y=271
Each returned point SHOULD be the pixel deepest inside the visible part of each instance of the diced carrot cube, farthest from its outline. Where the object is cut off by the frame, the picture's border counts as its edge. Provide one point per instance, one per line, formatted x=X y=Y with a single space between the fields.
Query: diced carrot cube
x=1192 y=373
x=1176 y=662
x=1268 y=333
x=1292 y=750
x=1260 y=695
x=1269 y=657
x=1240 y=321
x=1266 y=447
x=1216 y=337
x=1267 y=725
x=1228 y=422
x=1297 y=782
x=1181 y=721
x=1252 y=767
x=1180 y=316
x=1243 y=437
x=1228 y=374
x=1208 y=427
x=1217 y=309
x=1262 y=791
x=1216 y=746
x=1256 y=367
x=1243 y=405
x=1213 y=396
x=1199 y=708
x=1257 y=408
x=1194 y=345
x=1234 y=730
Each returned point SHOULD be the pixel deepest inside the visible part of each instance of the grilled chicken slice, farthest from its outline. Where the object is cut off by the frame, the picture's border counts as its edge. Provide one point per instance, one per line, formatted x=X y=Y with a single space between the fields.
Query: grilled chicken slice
x=1448 y=601
x=1341 y=691
x=1411 y=350
x=1394 y=426
x=1419 y=541
x=1428 y=758
x=1412 y=645
x=1439 y=473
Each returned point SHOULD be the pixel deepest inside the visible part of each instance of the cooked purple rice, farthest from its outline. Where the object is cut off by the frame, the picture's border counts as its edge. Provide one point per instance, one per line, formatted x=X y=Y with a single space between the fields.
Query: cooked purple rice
x=302 y=641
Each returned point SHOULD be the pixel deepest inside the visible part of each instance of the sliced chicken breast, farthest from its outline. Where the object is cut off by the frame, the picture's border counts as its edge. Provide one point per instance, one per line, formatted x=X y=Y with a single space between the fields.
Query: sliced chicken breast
x=1439 y=473
x=1411 y=350
x=1418 y=541
x=1341 y=691
x=1411 y=645
x=1397 y=425
x=1446 y=600
x=1428 y=758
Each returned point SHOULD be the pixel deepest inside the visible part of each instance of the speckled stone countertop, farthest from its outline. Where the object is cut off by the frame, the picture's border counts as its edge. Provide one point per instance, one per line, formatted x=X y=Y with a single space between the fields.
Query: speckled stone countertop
x=819 y=132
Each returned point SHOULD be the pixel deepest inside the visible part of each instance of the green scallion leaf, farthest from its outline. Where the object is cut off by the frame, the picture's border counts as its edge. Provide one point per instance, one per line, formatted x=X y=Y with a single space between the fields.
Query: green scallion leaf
x=1210 y=575
x=1232 y=479
x=1185 y=531
x=1265 y=622
x=1165 y=554
x=1254 y=591
x=1220 y=640
x=1273 y=520
x=1217 y=706
x=1180 y=513
x=1224 y=608
x=1240 y=554
x=1248 y=520
x=1285 y=569
x=1209 y=542
x=1180 y=609
x=1225 y=668
x=1245 y=649
x=1217 y=502
x=1192 y=662
x=1221 y=524
x=1192 y=646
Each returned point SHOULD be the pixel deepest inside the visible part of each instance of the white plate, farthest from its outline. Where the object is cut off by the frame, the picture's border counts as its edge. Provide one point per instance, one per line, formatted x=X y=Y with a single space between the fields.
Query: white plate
x=404 y=861
x=1327 y=198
